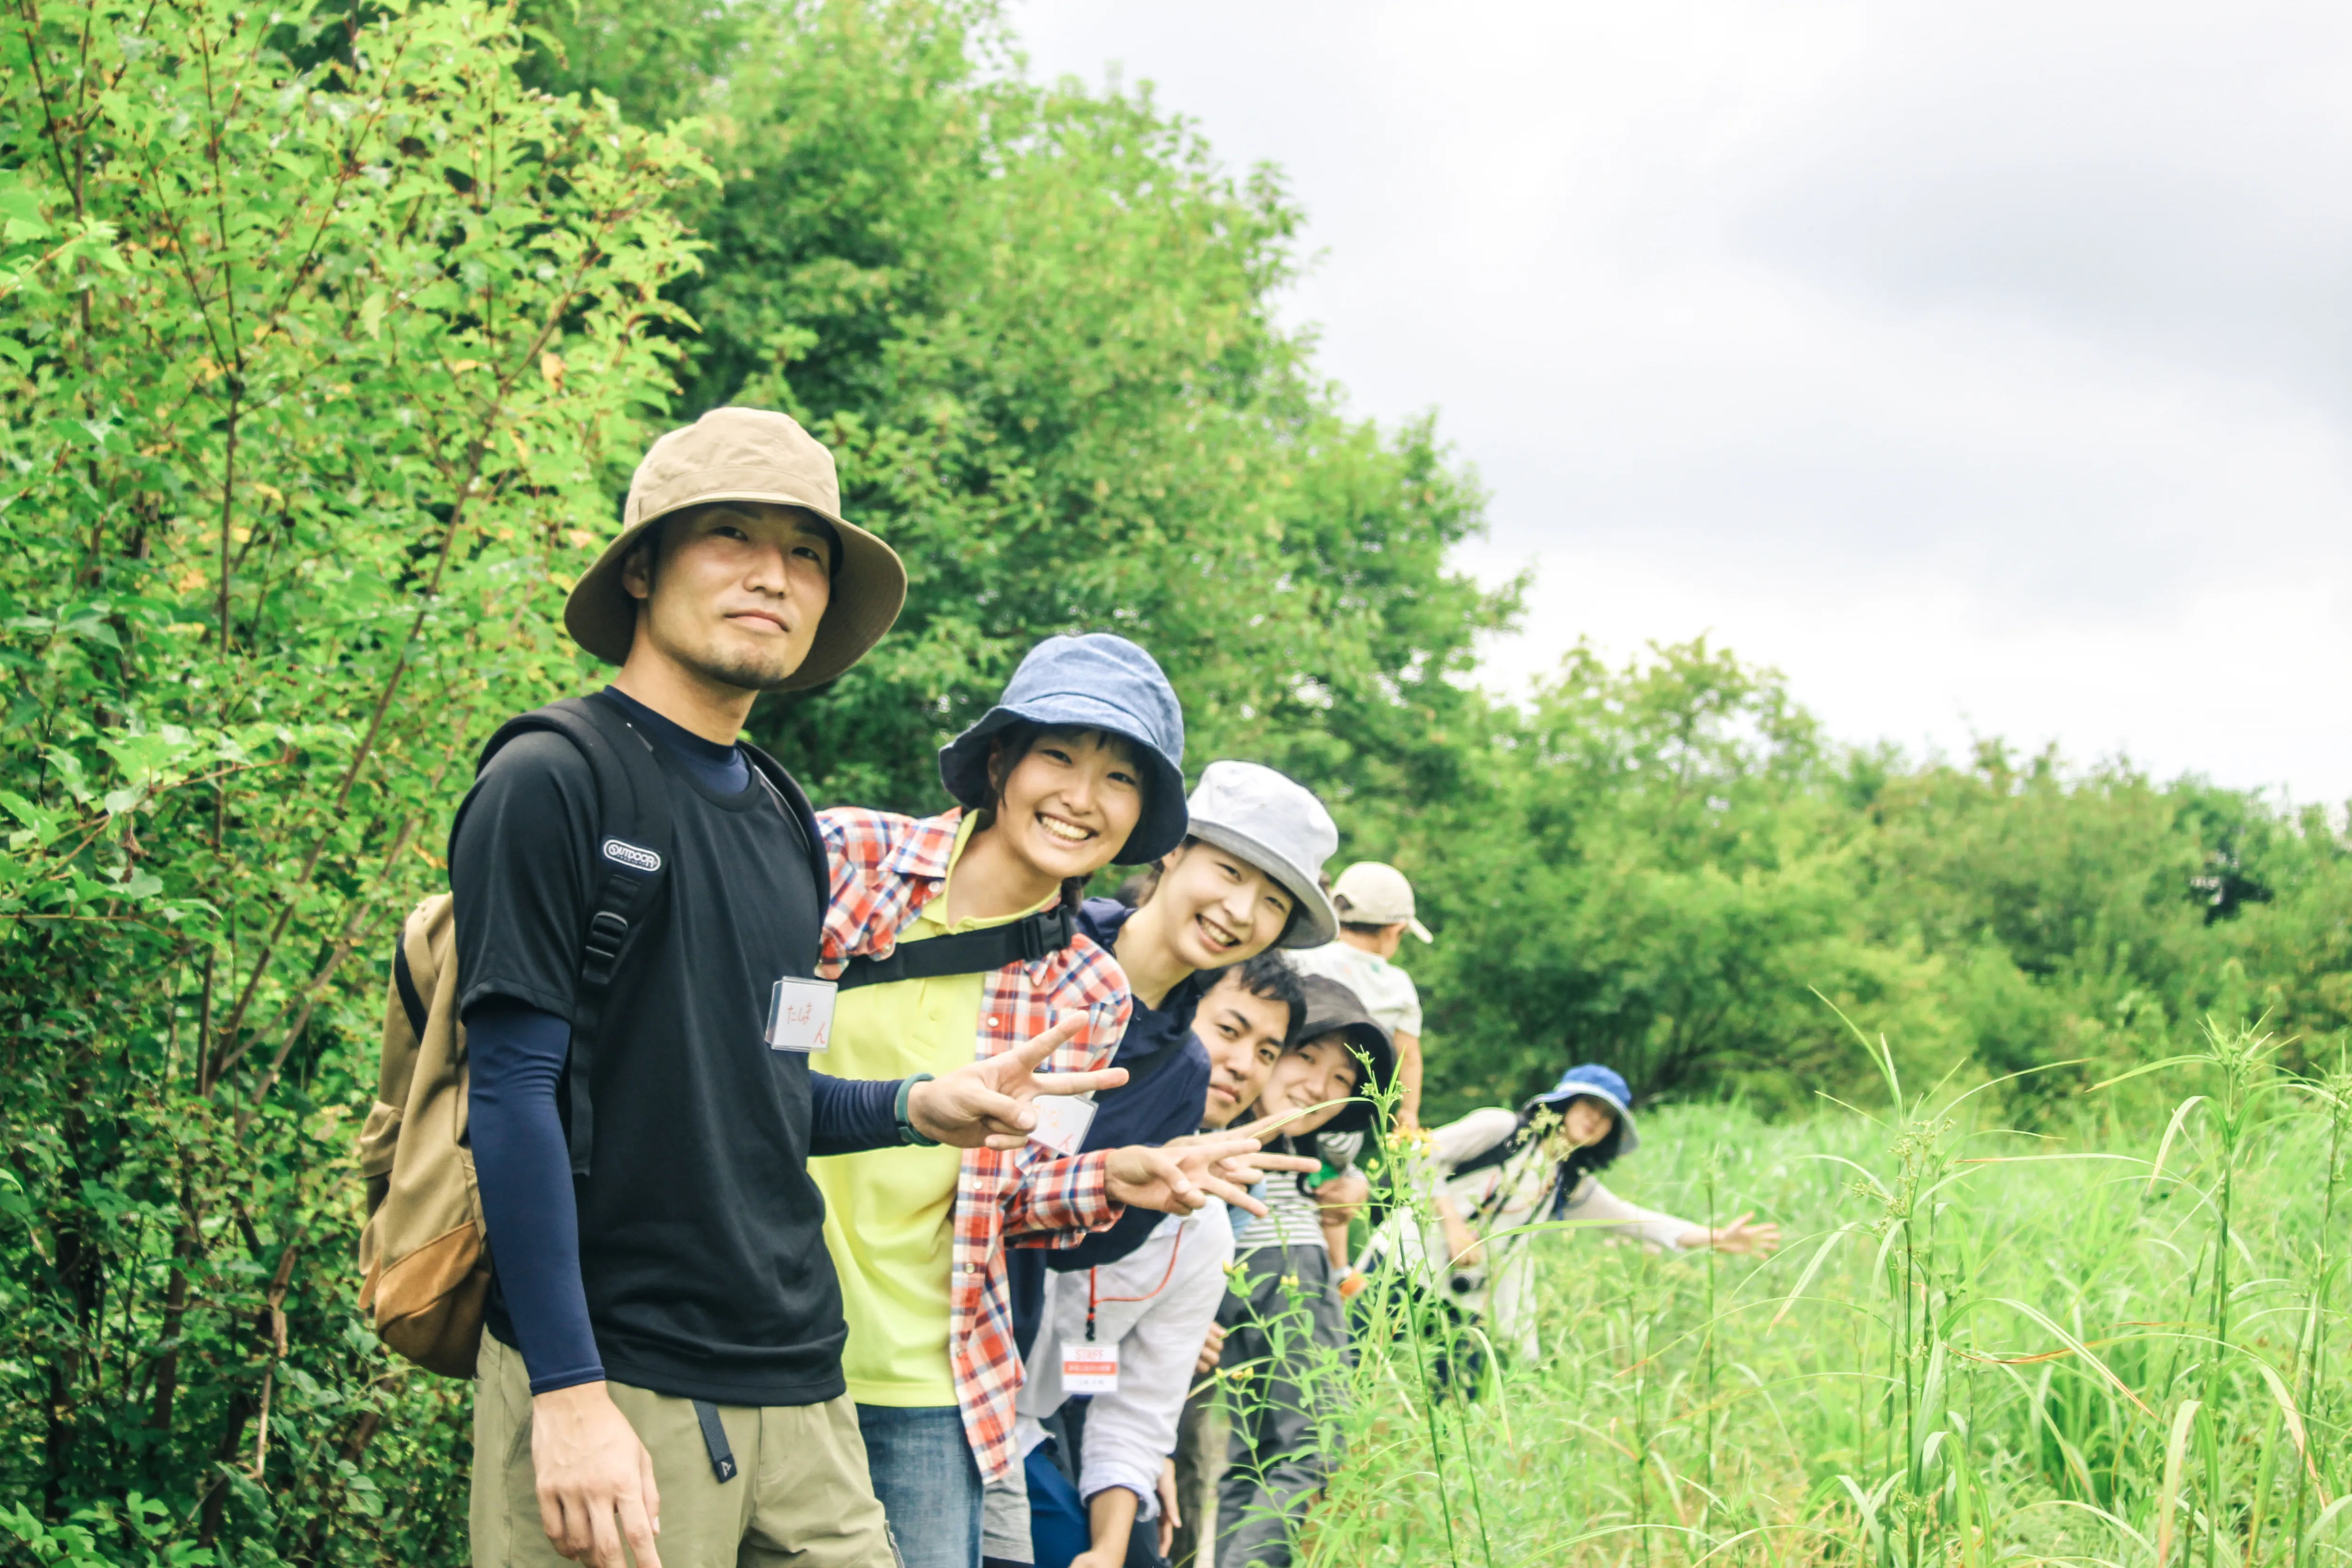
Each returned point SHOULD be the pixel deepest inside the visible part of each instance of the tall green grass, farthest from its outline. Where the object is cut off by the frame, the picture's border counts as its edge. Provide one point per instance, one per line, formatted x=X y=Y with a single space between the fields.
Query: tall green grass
x=2117 y=1344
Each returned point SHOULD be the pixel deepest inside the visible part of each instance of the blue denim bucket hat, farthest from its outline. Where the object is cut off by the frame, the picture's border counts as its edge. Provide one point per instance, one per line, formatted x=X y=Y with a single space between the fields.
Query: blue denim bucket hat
x=1593 y=1082
x=1094 y=681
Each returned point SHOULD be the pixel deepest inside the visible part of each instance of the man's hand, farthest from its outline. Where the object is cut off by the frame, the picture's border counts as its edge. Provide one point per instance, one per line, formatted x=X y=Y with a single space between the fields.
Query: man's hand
x=1179 y=1177
x=986 y=1104
x=1339 y=1199
x=591 y=1472
x=1212 y=1351
x=1246 y=1170
x=1171 y=1521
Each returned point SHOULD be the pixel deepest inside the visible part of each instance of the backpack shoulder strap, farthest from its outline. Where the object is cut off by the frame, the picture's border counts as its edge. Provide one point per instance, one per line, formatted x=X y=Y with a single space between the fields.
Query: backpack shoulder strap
x=634 y=840
x=1494 y=1154
x=796 y=802
x=1025 y=940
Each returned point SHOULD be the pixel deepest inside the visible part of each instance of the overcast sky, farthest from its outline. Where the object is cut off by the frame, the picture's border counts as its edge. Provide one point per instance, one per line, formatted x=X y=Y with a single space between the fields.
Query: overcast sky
x=1985 y=366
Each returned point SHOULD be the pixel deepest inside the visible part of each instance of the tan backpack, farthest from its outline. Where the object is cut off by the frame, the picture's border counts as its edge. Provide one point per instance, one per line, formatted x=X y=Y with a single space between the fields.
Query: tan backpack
x=424 y=1257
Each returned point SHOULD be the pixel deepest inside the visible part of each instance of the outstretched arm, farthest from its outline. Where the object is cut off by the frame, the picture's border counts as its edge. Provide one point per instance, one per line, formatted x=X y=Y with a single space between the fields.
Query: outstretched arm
x=1462 y=1247
x=977 y=1103
x=1110 y=1519
x=1072 y=1194
x=1597 y=1206
x=849 y=1115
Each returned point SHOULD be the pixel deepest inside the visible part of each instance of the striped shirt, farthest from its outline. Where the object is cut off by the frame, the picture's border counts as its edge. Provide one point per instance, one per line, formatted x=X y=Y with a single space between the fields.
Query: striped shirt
x=1292 y=1216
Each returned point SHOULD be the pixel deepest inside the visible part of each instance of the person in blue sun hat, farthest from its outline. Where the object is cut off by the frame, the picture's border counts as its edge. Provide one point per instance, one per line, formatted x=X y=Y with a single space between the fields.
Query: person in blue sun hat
x=1095 y=686
x=1495 y=1172
x=959 y=936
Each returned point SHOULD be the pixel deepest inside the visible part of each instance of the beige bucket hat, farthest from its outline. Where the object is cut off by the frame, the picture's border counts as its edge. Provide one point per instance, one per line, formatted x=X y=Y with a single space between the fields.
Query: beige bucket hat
x=744 y=454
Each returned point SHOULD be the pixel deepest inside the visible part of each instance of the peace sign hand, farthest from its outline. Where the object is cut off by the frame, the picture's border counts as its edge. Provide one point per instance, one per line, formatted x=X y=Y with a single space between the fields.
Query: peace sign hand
x=1247 y=1169
x=986 y=1104
x=1180 y=1177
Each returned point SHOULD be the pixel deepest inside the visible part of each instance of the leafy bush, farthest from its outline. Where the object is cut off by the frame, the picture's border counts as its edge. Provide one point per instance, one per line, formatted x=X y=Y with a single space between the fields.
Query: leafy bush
x=324 y=339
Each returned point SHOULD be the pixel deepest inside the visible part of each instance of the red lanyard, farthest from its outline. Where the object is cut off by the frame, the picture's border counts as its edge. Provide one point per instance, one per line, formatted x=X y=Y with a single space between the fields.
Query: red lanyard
x=1170 y=1274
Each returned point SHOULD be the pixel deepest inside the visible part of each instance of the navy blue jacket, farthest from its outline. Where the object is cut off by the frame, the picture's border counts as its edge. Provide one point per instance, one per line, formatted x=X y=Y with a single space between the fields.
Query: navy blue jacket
x=1166 y=1091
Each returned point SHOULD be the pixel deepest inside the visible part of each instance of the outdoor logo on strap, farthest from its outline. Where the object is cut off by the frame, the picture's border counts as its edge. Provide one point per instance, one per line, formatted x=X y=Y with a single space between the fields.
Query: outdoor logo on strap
x=621 y=852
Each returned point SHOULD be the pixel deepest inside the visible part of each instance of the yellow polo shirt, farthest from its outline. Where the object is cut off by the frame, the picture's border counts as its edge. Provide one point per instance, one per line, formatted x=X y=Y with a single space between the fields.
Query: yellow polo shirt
x=890 y=1214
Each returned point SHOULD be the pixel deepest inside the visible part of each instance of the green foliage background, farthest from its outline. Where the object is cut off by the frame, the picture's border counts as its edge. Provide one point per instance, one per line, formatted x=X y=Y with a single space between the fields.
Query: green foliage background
x=329 y=337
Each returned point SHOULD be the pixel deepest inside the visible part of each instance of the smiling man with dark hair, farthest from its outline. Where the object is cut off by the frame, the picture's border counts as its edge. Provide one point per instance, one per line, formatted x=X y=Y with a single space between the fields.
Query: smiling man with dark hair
x=639 y=900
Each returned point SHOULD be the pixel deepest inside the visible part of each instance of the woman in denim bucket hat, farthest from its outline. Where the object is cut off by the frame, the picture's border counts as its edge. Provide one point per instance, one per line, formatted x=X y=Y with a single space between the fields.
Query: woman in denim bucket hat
x=1496 y=1172
x=1095 y=682
x=1077 y=766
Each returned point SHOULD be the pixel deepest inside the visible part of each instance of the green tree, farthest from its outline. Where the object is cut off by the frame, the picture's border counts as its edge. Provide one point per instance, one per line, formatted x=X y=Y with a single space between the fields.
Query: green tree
x=322 y=338
x=1035 y=325
x=1657 y=872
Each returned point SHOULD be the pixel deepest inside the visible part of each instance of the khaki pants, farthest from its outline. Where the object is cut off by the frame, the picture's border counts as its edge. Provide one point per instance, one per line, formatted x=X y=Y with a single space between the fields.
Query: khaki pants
x=800 y=1498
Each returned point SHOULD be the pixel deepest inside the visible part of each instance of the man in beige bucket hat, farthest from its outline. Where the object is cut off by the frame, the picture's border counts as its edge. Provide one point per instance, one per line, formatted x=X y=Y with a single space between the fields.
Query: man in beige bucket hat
x=765 y=461
x=639 y=901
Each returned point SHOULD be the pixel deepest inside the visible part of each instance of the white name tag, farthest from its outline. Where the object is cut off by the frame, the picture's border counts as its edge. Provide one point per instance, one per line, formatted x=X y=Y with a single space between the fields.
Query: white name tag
x=1061 y=1122
x=800 y=1015
x=1090 y=1369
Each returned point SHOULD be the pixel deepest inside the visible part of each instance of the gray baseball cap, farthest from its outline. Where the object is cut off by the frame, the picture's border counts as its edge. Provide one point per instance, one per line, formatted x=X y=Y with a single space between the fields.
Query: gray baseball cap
x=1275 y=824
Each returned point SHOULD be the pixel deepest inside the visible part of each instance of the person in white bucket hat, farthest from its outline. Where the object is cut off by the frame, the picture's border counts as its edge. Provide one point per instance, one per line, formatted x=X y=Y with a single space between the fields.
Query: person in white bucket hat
x=1376 y=909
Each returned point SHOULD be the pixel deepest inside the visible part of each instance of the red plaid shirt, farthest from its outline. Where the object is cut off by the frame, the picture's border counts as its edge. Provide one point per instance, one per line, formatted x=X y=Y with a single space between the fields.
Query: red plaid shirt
x=886 y=867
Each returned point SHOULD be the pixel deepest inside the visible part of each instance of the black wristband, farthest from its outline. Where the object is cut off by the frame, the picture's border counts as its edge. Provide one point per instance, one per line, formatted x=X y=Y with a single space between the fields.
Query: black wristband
x=909 y=1133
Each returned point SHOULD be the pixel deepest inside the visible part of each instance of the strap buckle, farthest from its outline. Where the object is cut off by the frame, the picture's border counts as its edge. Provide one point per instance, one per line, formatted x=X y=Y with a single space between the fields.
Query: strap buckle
x=606 y=932
x=1048 y=932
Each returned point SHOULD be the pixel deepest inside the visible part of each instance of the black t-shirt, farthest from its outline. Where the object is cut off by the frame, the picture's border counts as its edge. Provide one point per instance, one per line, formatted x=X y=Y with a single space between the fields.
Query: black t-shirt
x=701 y=1236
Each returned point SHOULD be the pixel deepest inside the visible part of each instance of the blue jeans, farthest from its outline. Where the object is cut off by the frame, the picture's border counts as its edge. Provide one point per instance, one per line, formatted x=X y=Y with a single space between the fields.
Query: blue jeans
x=928 y=1481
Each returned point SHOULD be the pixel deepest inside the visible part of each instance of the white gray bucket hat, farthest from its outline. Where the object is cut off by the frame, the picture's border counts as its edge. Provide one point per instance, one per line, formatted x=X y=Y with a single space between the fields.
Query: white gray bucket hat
x=1275 y=824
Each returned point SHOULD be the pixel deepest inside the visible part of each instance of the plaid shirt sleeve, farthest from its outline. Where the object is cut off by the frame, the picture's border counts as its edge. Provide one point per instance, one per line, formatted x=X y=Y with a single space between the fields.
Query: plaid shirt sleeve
x=1061 y=1200
x=1031 y=1194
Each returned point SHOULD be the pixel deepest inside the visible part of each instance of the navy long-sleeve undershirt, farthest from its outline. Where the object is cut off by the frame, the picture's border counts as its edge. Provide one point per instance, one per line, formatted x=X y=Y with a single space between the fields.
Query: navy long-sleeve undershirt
x=517 y=1055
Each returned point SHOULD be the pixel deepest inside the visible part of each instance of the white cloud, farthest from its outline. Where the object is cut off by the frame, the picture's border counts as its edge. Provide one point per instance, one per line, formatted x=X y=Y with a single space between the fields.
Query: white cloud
x=2237 y=684
x=1985 y=367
